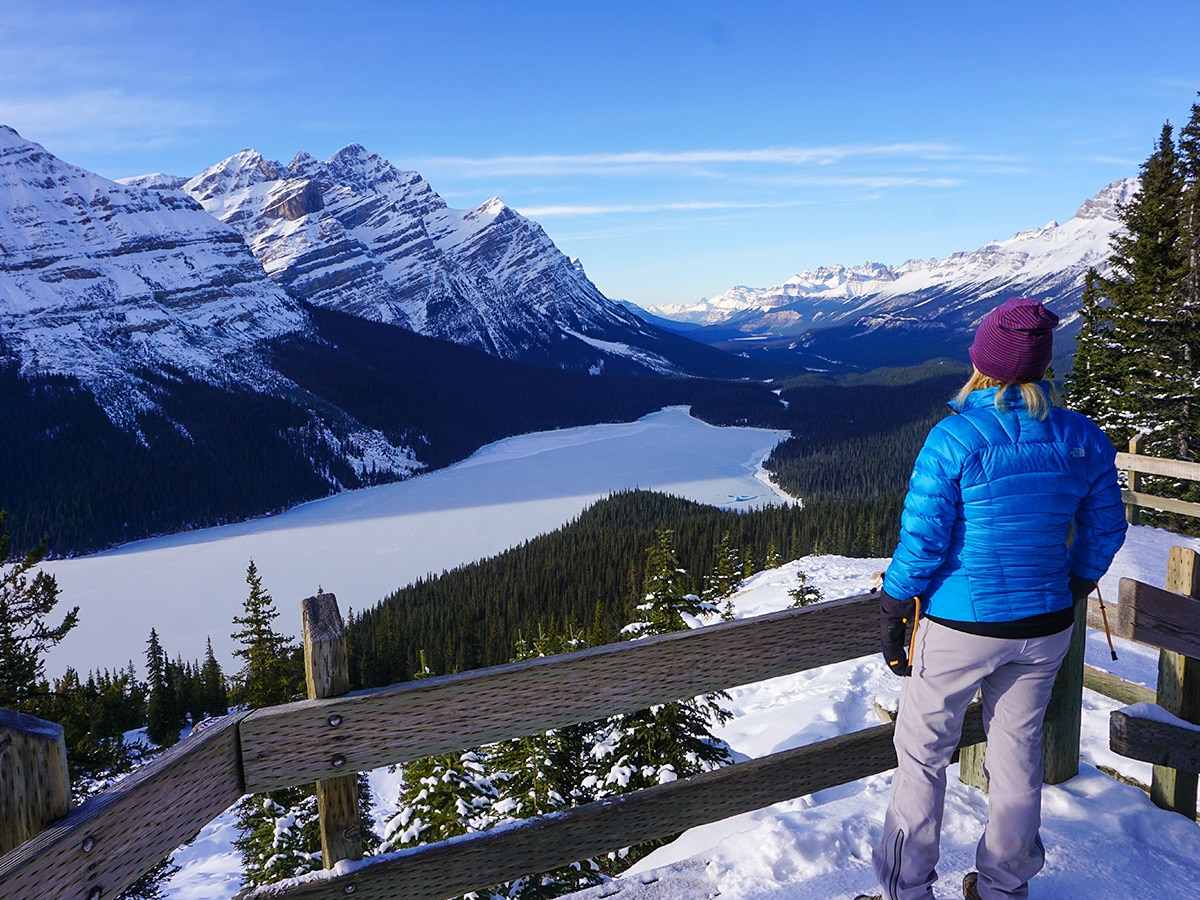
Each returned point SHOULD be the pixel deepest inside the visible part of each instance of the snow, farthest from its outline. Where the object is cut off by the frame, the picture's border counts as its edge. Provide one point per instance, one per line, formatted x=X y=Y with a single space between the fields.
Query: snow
x=1105 y=840
x=1034 y=257
x=362 y=545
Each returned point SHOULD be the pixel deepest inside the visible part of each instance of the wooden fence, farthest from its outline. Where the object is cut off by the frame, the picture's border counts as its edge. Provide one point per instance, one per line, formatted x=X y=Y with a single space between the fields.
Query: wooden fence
x=110 y=840
x=1134 y=465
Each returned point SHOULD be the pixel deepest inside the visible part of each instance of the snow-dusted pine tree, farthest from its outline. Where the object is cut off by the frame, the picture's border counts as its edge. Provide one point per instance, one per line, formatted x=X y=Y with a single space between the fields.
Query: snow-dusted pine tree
x=1137 y=364
x=726 y=577
x=675 y=739
x=543 y=773
x=805 y=592
x=440 y=796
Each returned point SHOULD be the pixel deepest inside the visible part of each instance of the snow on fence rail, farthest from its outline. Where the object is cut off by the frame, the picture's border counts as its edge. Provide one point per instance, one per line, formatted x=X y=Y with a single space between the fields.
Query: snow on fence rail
x=110 y=840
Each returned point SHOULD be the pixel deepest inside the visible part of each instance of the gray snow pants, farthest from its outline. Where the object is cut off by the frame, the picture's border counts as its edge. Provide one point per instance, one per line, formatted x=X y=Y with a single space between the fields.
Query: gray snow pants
x=1016 y=677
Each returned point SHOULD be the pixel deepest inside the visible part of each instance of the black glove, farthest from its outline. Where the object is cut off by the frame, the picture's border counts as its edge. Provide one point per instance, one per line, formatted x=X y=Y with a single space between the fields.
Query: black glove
x=894 y=616
x=1081 y=588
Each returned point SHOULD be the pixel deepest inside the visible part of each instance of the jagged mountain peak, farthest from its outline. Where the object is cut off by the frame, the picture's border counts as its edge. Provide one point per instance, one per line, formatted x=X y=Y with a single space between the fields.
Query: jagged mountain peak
x=365 y=170
x=361 y=235
x=235 y=173
x=1105 y=205
x=106 y=281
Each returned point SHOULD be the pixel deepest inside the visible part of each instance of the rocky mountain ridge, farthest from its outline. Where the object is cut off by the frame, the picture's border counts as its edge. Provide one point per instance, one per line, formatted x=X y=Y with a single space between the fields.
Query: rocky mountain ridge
x=102 y=282
x=356 y=234
x=874 y=312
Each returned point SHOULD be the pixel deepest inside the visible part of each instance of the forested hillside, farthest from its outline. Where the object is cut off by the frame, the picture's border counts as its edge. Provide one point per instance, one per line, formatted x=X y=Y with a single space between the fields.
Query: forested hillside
x=588 y=575
x=214 y=455
x=855 y=439
x=856 y=436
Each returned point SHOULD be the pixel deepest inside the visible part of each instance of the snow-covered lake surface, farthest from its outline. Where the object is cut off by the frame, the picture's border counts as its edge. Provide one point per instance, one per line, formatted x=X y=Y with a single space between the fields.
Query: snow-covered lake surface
x=363 y=545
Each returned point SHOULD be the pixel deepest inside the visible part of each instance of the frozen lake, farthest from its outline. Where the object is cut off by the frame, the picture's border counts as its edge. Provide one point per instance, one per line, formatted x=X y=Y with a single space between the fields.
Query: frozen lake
x=362 y=545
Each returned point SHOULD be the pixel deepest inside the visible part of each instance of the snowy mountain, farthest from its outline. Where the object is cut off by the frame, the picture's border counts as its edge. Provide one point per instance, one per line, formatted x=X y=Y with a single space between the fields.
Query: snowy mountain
x=111 y=284
x=875 y=314
x=358 y=235
x=158 y=372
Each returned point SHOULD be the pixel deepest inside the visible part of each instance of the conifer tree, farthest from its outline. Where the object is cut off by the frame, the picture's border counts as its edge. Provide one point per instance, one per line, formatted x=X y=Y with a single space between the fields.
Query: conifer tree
x=266 y=674
x=440 y=796
x=27 y=597
x=672 y=740
x=1127 y=385
x=725 y=579
x=1137 y=364
x=805 y=592
x=773 y=561
x=278 y=835
x=212 y=684
x=278 y=832
x=665 y=599
x=163 y=715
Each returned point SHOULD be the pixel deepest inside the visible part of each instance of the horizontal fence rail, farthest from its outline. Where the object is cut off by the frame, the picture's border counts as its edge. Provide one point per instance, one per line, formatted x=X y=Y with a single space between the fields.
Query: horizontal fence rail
x=1134 y=464
x=1153 y=465
x=299 y=743
x=1162 y=743
x=454 y=867
x=111 y=840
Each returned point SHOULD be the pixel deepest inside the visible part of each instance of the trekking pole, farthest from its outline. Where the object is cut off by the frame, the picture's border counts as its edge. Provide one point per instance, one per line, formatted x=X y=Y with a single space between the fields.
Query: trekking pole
x=1104 y=616
x=912 y=642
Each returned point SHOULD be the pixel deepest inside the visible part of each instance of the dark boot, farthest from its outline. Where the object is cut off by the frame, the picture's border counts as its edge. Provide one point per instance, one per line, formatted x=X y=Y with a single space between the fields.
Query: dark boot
x=970 y=886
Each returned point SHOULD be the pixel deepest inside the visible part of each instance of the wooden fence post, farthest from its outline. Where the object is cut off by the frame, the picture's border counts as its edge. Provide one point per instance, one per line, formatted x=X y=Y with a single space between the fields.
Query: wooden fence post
x=1060 y=734
x=1064 y=714
x=35 y=785
x=1134 y=479
x=1179 y=690
x=327 y=670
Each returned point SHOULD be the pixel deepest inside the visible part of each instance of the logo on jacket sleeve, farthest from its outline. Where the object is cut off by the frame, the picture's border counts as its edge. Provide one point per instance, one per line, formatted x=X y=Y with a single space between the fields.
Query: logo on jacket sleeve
x=1078 y=451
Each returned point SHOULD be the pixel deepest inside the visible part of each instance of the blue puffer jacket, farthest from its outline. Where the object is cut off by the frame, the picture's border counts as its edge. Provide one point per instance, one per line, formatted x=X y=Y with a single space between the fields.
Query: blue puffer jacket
x=989 y=509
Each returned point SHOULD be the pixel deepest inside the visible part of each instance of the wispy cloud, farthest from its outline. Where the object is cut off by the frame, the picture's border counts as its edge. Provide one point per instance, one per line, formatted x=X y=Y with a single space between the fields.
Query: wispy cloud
x=118 y=118
x=543 y=212
x=1116 y=161
x=690 y=160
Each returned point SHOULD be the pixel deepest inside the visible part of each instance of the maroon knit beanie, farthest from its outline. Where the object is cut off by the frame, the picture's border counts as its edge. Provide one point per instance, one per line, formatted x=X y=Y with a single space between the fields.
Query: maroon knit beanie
x=1014 y=341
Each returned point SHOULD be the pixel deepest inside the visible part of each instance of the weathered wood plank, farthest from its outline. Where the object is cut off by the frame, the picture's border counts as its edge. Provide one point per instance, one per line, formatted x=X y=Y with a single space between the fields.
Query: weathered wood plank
x=1162 y=504
x=1150 y=465
x=109 y=841
x=1149 y=740
x=298 y=743
x=35 y=785
x=481 y=860
x=327 y=672
x=1064 y=712
x=1133 y=479
x=1179 y=688
x=1116 y=688
x=1159 y=618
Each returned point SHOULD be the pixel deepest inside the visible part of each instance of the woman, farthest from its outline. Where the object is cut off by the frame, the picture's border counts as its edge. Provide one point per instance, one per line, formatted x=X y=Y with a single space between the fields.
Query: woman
x=984 y=551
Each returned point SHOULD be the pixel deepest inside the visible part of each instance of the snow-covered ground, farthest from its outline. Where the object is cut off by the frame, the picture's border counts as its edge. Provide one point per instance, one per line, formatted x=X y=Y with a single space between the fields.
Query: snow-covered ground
x=362 y=545
x=1105 y=840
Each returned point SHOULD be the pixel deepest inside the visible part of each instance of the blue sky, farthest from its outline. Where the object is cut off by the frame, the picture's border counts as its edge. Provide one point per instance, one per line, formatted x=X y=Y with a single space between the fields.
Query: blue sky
x=677 y=148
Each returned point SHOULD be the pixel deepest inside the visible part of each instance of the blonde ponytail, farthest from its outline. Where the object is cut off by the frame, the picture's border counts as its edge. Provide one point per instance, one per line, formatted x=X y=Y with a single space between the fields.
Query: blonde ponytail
x=1037 y=404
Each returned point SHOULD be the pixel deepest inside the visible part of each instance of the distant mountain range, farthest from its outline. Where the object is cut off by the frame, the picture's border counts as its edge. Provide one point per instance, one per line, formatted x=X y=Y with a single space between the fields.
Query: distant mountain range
x=874 y=314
